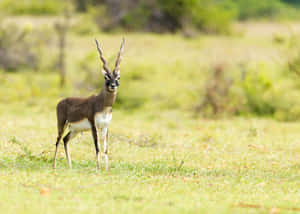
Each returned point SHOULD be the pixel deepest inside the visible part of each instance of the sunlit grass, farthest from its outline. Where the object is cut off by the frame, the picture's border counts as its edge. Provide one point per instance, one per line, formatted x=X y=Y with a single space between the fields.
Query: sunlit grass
x=227 y=166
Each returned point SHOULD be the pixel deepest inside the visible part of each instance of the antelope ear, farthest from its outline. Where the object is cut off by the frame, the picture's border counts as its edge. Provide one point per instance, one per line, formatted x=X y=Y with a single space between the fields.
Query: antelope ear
x=117 y=72
x=103 y=72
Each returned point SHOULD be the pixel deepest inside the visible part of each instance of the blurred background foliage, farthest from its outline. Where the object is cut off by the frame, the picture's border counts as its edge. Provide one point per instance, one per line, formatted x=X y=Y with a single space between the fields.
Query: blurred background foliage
x=161 y=15
x=164 y=69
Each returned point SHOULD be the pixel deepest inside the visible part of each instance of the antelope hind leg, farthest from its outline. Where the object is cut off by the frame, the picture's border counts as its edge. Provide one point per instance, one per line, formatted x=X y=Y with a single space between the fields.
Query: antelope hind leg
x=66 y=139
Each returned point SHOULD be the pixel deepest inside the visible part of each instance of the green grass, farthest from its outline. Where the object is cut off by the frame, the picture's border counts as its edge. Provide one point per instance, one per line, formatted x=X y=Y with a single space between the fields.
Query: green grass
x=227 y=166
x=162 y=158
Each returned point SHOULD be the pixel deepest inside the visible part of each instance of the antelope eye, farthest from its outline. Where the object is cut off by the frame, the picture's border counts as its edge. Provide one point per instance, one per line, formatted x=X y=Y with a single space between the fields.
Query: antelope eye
x=117 y=83
x=107 y=82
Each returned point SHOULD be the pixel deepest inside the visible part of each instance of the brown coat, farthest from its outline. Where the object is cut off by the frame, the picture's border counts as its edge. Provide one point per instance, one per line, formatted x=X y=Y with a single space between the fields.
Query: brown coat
x=74 y=109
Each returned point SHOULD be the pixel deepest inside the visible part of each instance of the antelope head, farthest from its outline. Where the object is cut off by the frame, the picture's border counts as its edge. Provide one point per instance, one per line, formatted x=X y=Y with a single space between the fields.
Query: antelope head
x=111 y=78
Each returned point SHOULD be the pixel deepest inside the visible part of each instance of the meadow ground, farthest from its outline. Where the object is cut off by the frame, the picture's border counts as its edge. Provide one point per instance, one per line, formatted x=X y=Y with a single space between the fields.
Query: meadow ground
x=190 y=166
x=162 y=158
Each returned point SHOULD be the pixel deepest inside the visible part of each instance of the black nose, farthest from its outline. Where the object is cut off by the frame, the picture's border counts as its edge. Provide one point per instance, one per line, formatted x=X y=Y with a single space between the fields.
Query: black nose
x=113 y=85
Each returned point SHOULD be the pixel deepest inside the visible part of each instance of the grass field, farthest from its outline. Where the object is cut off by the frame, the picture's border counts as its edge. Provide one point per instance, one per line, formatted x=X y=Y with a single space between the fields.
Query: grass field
x=191 y=166
x=162 y=158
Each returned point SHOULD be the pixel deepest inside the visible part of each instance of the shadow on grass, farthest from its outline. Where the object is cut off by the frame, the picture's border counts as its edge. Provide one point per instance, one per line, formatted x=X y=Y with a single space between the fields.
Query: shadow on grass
x=29 y=161
x=137 y=170
x=140 y=169
x=41 y=163
x=23 y=162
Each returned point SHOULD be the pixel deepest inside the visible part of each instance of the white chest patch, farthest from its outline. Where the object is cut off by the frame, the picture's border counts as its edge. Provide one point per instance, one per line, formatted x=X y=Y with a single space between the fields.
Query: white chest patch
x=102 y=120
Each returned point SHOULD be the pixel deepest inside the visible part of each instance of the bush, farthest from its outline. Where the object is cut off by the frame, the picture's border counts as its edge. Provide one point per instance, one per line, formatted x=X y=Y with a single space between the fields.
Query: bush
x=21 y=47
x=85 y=25
x=15 y=49
x=257 y=87
x=172 y=15
x=137 y=18
x=271 y=94
x=216 y=97
x=165 y=15
x=213 y=18
x=204 y=15
x=247 y=9
x=257 y=90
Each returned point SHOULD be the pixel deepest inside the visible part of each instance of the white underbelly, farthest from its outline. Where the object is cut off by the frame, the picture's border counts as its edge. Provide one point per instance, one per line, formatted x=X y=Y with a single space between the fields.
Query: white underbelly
x=102 y=120
x=82 y=125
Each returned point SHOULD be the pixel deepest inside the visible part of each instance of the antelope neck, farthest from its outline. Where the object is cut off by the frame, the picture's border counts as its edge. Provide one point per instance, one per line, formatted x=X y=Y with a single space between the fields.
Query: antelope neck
x=107 y=98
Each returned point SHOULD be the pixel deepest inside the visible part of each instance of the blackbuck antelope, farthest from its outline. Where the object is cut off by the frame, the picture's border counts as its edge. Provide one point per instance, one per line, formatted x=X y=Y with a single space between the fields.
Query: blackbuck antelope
x=93 y=113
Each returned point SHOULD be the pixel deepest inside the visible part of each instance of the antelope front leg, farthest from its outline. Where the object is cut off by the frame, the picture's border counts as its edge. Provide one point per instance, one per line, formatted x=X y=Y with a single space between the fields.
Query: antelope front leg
x=95 y=136
x=105 y=146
